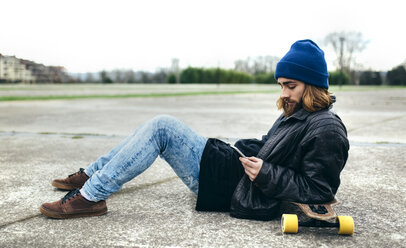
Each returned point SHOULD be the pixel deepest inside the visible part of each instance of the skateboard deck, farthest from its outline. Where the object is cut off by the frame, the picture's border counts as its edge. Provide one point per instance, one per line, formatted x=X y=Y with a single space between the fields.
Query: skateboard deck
x=323 y=211
x=319 y=215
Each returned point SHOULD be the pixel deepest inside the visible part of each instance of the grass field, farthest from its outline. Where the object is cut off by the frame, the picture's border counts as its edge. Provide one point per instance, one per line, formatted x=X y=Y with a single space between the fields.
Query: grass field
x=88 y=91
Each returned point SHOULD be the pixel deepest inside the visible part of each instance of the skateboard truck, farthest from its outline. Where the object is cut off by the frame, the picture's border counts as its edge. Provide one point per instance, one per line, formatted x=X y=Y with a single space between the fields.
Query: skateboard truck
x=321 y=215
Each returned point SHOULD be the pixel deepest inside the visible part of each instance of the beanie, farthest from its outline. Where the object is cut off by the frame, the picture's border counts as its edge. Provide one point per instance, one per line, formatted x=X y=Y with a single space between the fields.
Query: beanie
x=304 y=62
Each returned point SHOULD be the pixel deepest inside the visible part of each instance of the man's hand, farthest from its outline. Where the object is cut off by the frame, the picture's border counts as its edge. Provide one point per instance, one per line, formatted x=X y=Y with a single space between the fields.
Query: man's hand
x=252 y=165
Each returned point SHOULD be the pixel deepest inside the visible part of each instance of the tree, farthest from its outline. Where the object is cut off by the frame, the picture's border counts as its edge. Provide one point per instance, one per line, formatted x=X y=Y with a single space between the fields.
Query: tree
x=257 y=65
x=129 y=76
x=117 y=76
x=265 y=78
x=338 y=78
x=172 y=78
x=189 y=76
x=242 y=65
x=270 y=62
x=89 y=78
x=160 y=76
x=397 y=76
x=346 y=45
x=214 y=75
x=146 y=77
x=105 y=78
x=370 y=78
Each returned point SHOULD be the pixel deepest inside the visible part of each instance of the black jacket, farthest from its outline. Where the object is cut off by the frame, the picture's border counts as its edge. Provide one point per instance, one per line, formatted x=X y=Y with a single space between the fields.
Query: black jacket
x=303 y=157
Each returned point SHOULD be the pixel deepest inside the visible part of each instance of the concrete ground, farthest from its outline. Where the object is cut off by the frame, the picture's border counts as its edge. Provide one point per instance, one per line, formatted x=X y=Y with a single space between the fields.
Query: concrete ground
x=43 y=140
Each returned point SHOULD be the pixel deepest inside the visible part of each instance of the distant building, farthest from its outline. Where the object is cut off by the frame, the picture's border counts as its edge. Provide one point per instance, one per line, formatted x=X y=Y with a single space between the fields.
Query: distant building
x=15 y=70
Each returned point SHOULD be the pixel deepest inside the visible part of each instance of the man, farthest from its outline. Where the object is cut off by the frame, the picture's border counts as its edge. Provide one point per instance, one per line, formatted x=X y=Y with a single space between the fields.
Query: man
x=300 y=158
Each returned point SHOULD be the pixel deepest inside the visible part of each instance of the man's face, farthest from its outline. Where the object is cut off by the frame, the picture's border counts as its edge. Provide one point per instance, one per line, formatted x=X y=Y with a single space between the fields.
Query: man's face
x=291 y=97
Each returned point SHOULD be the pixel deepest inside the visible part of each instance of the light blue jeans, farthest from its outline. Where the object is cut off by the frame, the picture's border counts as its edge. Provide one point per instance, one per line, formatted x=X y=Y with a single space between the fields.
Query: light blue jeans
x=163 y=135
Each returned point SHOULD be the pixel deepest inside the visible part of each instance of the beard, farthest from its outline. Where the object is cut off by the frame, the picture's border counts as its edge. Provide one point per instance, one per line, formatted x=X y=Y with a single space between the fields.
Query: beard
x=289 y=109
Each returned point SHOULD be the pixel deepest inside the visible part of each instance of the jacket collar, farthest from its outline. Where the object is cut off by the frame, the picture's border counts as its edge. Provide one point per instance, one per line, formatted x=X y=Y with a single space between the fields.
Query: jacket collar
x=299 y=115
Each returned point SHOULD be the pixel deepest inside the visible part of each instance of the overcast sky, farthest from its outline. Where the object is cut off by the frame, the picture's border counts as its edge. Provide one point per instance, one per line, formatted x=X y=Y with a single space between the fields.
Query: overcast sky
x=84 y=35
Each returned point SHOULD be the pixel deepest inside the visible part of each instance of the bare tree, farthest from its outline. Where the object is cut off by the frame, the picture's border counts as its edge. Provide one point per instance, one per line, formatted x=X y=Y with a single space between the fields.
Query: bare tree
x=160 y=76
x=346 y=45
x=242 y=65
x=256 y=65
x=89 y=78
x=270 y=63
x=259 y=66
x=117 y=76
x=129 y=76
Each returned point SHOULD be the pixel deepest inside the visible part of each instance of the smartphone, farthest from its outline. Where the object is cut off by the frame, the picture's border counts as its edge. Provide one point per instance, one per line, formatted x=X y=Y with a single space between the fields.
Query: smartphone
x=238 y=150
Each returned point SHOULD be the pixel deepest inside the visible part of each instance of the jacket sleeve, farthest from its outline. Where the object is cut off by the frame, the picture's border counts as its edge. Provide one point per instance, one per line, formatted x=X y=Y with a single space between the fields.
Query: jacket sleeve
x=317 y=180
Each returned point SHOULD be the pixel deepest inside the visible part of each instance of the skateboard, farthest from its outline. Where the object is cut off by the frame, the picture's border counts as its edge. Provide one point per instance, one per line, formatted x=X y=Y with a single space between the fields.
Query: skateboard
x=318 y=215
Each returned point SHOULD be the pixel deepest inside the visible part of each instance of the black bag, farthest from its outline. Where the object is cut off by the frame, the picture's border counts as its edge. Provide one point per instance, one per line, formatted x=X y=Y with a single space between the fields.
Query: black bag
x=248 y=202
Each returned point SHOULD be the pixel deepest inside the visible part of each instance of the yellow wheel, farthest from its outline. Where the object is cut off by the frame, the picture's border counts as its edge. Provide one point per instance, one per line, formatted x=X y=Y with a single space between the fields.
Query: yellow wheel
x=289 y=223
x=346 y=225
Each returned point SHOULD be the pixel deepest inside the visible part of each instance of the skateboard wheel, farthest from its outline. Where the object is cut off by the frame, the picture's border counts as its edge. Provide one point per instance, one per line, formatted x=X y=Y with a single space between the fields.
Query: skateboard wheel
x=346 y=225
x=289 y=223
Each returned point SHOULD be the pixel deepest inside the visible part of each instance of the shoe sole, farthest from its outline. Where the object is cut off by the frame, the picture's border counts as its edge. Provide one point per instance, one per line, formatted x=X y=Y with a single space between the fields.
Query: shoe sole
x=56 y=215
x=64 y=186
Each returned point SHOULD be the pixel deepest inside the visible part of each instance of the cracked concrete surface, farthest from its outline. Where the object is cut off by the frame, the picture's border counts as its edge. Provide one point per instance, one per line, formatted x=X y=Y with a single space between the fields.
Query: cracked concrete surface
x=43 y=140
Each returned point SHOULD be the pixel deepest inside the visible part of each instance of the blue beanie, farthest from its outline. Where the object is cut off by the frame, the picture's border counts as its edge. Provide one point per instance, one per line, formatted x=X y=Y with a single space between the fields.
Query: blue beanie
x=304 y=62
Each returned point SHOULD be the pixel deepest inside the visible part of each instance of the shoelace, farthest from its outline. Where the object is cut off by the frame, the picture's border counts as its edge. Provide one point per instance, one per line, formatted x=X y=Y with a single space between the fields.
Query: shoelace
x=79 y=172
x=70 y=194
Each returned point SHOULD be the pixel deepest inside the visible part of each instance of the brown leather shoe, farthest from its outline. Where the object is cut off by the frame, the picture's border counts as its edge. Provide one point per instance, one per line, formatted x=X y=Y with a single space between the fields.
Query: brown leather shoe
x=73 y=181
x=73 y=205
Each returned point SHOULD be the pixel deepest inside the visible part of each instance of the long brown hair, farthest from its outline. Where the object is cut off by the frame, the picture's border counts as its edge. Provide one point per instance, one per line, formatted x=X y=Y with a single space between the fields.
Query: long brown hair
x=313 y=99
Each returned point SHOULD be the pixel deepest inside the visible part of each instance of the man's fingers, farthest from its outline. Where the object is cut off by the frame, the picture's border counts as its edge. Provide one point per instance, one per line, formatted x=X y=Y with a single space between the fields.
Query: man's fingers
x=251 y=165
x=247 y=162
x=254 y=159
x=249 y=170
x=250 y=175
